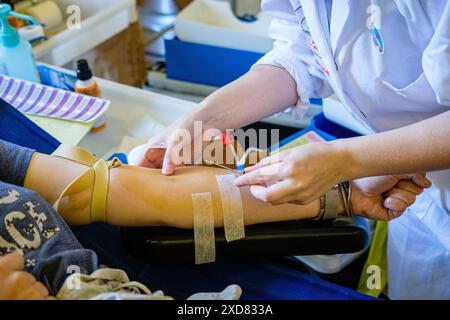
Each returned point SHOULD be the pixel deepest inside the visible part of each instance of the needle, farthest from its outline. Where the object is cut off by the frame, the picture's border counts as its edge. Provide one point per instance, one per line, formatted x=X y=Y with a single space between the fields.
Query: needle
x=223 y=167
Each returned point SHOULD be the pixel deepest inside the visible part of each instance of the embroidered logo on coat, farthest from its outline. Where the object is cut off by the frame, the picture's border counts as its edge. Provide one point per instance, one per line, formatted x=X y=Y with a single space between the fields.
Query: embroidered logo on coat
x=374 y=25
x=307 y=33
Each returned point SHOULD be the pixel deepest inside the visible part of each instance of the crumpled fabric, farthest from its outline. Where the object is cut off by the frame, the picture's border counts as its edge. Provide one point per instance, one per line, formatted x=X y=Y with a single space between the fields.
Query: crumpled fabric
x=106 y=284
x=114 y=284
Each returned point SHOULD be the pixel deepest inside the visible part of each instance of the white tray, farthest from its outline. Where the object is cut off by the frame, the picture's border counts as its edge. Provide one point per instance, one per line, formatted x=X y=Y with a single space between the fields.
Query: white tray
x=101 y=20
x=212 y=22
x=133 y=113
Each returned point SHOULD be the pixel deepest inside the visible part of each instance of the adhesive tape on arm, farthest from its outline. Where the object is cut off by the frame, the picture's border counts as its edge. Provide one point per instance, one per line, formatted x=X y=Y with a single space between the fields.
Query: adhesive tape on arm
x=205 y=246
x=233 y=212
x=47 y=13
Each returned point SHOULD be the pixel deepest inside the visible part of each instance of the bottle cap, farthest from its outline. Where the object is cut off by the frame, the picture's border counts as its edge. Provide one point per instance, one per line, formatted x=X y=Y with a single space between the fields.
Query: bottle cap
x=83 y=71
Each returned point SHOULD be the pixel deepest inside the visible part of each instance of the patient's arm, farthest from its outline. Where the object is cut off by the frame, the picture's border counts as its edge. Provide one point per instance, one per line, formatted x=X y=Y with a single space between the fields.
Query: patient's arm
x=144 y=197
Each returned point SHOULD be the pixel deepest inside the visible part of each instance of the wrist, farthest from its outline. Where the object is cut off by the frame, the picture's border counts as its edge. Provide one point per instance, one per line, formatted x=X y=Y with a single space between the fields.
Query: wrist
x=208 y=115
x=348 y=167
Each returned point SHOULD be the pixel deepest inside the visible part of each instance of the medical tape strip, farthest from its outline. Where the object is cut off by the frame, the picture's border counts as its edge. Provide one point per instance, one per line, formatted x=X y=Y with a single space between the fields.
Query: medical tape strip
x=233 y=211
x=205 y=245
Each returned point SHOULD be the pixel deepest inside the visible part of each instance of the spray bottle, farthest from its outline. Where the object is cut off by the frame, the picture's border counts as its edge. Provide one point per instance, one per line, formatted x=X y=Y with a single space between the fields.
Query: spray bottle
x=16 y=55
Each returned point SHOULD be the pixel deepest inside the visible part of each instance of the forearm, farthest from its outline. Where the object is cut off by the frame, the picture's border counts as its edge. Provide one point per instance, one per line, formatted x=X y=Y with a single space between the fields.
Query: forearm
x=421 y=147
x=262 y=92
x=144 y=197
x=140 y=197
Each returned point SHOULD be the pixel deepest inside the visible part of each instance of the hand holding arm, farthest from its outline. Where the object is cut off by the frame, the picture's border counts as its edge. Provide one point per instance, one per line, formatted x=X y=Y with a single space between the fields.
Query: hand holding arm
x=306 y=172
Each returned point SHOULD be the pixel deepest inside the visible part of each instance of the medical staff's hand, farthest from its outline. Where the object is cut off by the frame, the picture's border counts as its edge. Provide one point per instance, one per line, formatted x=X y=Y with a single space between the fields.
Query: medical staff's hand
x=300 y=174
x=163 y=150
x=386 y=197
x=16 y=284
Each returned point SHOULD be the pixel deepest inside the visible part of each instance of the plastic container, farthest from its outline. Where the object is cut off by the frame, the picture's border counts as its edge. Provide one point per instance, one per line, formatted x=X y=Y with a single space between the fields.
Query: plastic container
x=16 y=55
x=331 y=264
x=205 y=64
x=212 y=22
x=101 y=20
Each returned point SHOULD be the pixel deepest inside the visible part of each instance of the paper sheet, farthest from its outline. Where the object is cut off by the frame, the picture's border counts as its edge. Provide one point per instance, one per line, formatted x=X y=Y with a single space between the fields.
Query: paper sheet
x=68 y=132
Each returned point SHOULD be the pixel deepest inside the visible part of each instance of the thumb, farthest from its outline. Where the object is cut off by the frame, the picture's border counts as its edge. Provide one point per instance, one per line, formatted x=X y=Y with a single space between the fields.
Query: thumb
x=12 y=261
x=168 y=166
x=150 y=157
x=418 y=179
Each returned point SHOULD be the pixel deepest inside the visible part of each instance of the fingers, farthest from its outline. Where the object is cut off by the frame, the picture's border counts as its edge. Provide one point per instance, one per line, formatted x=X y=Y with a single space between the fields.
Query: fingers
x=409 y=186
x=12 y=261
x=419 y=179
x=276 y=158
x=22 y=279
x=398 y=200
x=395 y=208
x=151 y=158
x=262 y=176
x=168 y=166
x=28 y=287
x=274 y=193
x=36 y=292
x=404 y=194
x=392 y=214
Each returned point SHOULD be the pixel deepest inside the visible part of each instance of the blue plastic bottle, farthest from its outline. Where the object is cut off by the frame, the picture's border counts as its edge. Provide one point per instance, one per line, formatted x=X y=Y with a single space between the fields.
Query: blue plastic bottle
x=16 y=55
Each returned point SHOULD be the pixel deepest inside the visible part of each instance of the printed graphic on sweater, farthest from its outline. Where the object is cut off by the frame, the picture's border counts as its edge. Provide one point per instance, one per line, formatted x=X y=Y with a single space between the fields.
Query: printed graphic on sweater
x=23 y=229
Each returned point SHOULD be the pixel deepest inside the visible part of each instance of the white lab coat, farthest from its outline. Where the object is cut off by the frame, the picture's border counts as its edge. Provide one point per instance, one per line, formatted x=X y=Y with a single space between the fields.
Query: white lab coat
x=386 y=82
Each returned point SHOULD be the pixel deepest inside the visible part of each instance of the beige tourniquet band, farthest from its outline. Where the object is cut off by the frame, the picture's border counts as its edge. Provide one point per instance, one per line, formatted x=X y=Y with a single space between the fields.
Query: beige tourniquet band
x=100 y=168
